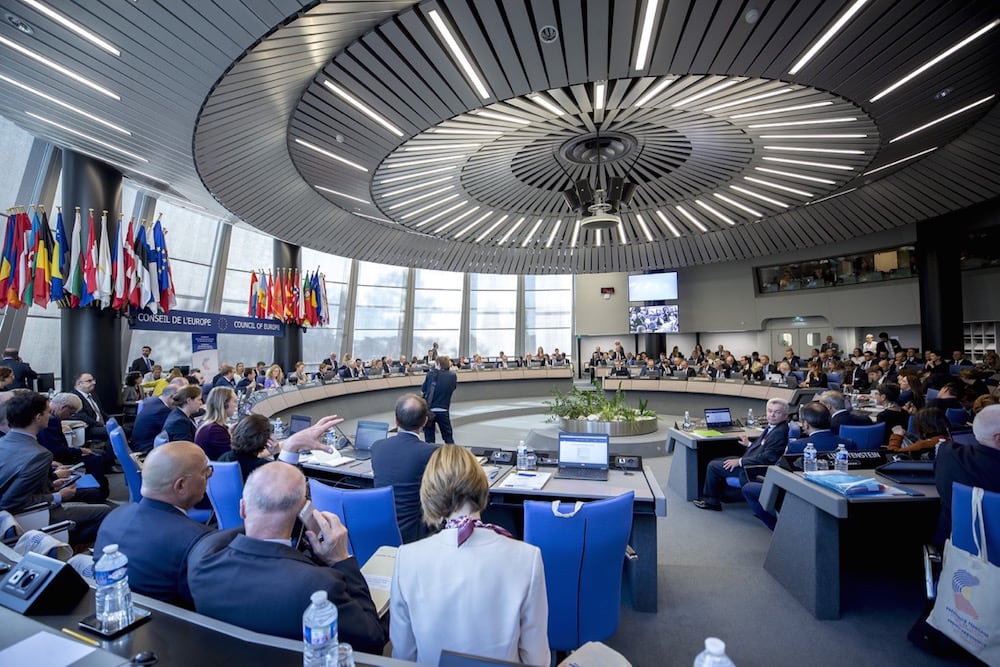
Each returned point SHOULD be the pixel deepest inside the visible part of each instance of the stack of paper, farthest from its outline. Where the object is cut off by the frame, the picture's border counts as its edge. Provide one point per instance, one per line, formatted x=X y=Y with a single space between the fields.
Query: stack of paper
x=378 y=573
x=525 y=480
x=333 y=460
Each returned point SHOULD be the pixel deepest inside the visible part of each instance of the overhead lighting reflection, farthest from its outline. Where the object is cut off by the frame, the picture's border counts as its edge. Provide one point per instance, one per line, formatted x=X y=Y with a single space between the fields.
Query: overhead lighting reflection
x=942 y=118
x=830 y=33
x=69 y=24
x=68 y=107
x=363 y=108
x=458 y=54
x=95 y=140
x=59 y=68
x=333 y=156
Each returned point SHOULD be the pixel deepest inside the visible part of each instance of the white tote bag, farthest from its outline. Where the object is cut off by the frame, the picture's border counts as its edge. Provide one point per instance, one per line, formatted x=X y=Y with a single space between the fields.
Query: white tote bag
x=967 y=609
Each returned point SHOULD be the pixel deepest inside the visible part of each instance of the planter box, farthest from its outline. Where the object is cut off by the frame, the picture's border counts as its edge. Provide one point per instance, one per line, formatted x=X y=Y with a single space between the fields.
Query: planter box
x=614 y=429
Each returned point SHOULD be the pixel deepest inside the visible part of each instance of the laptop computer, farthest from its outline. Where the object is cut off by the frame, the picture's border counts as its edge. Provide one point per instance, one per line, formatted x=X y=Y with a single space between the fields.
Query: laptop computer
x=908 y=472
x=721 y=419
x=298 y=423
x=583 y=456
x=368 y=433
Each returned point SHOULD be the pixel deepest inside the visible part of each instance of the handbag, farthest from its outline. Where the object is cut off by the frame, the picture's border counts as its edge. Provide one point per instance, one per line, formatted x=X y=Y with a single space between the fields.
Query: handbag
x=967 y=608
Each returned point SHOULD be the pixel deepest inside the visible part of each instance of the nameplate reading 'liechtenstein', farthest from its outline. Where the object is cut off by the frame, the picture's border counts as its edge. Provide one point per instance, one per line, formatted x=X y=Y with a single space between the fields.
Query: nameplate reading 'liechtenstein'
x=186 y=321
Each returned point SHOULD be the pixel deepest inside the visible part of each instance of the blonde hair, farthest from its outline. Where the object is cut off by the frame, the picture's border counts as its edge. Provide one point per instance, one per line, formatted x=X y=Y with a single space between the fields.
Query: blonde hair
x=215 y=406
x=453 y=477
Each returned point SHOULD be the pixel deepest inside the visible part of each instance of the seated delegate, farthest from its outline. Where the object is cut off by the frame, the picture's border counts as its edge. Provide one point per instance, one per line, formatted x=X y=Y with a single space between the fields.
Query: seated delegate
x=440 y=596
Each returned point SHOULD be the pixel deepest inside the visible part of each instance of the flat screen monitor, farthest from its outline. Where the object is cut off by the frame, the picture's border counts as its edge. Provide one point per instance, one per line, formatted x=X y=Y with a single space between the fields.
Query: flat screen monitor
x=653 y=287
x=653 y=319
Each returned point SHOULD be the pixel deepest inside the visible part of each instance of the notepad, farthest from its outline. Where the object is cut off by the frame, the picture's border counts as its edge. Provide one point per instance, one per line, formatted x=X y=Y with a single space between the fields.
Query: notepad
x=708 y=433
x=525 y=480
x=378 y=573
x=333 y=460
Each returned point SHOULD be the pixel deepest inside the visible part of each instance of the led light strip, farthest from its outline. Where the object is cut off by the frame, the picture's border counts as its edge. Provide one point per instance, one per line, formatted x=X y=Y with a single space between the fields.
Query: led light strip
x=373 y=217
x=417 y=186
x=943 y=118
x=441 y=214
x=831 y=196
x=427 y=207
x=59 y=68
x=745 y=100
x=426 y=160
x=419 y=198
x=552 y=234
x=905 y=159
x=472 y=224
x=418 y=174
x=693 y=220
x=621 y=233
x=806 y=163
x=510 y=232
x=645 y=35
x=458 y=54
x=756 y=195
x=534 y=229
x=797 y=107
x=670 y=225
x=546 y=104
x=736 y=204
x=645 y=229
x=799 y=123
x=438 y=147
x=576 y=235
x=74 y=26
x=363 y=108
x=783 y=188
x=599 y=91
x=814 y=136
x=342 y=194
x=334 y=156
x=597 y=238
x=501 y=116
x=718 y=214
x=68 y=107
x=807 y=149
x=457 y=218
x=837 y=26
x=705 y=93
x=789 y=174
x=489 y=230
x=654 y=91
x=95 y=140
x=455 y=130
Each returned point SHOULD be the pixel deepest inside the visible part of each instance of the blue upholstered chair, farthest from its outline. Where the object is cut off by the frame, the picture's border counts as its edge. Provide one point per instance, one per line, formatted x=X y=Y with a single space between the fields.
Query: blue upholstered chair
x=931 y=394
x=957 y=417
x=865 y=437
x=225 y=488
x=132 y=476
x=161 y=438
x=964 y=438
x=111 y=424
x=368 y=514
x=583 y=555
x=961 y=521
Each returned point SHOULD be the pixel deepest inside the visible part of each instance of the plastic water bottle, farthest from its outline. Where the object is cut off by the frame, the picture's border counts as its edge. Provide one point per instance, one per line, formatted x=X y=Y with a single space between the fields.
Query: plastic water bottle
x=750 y=420
x=840 y=459
x=522 y=456
x=809 y=458
x=714 y=654
x=114 y=599
x=687 y=420
x=319 y=632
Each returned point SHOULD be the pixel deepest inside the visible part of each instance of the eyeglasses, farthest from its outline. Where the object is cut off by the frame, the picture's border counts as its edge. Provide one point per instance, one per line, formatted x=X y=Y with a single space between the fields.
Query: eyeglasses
x=206 y=472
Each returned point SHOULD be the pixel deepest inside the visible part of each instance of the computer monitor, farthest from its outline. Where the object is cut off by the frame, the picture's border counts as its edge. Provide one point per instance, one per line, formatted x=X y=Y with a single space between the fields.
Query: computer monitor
x=45 y=382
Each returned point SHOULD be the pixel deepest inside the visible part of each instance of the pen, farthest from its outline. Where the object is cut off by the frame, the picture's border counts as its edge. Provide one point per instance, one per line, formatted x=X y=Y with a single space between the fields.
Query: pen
x=83 y=638
x=526 y=474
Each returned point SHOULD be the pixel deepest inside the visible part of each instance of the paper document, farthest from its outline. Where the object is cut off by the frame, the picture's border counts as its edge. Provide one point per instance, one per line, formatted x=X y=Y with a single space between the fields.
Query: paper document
x=45 y=648
x=333 y=460
x=378 y=573
x=525 y=480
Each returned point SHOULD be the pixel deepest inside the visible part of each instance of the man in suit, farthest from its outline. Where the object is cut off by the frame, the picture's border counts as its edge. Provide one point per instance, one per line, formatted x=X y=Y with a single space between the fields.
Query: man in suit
x=815 y=418
x=278 y=579
x=787 y=378
x=765 y=450
x=96 y=462
x=620 y=370
x=651 y=370
x=399 y=462
x=26 y=470
x=840 y=413
x=437 y=390
x=23 y=374
x=831 y=346
x=153 y=415
x=155 y=533
x=143 y=364
x=90 y=412
x=225 y=377
x=887 y=345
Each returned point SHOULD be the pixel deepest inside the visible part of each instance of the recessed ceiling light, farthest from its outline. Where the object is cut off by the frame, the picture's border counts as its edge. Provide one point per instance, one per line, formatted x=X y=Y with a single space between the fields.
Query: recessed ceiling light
x=68 y=107
x=95 y=140
x=531 y=234
x=374 y=217
x=831 y=196
x=546 y=104
x=423 y=147
x=510 y=232
x=705 y=93
x=440 y=214
x=59 y=68
x=334 y=156
x=936 y=59
x=19 y=23
x=943 y=118
x=427 y=195
x=576 y=235
x=599 y=89
x=552 y=234
x=788 y=174
x=784 y=188
x=363 y=108
x=808 y=149
x=342 y=194
x=746 y=100
x=457 y=218
x=644 y=227
x=426 y=160
x=693 y=220
x=416 y=186
x=943 y=93
x=645 y=34
x=799 y=123
x=905 y=159
x=597 y=238
x=654 y=91
x=714 y=211
x=621 y=233
x=757 y=195
x=502 y=116
x=743 y=207
x=458 y=55
x=797 y=107
x=427 y=207
x=417 y=174
x=470 y=132
x=125 y=167
x=806 y=163
x=837 y=26
x=751 y=15
x=73 y=26
x=668 y=223
x=814 y=136
x=472 y=224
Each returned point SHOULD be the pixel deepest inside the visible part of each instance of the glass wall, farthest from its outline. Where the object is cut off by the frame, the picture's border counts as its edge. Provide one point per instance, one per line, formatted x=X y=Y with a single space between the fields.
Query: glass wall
x=318 y=343
x=437 y=311
x=492 y=314
x=888 y=264
x=548 y=313
x=379 y=309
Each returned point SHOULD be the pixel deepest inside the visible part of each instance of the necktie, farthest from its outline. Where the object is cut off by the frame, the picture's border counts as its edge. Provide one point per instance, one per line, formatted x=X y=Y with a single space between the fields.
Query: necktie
x=97 y=410
x=149 y=364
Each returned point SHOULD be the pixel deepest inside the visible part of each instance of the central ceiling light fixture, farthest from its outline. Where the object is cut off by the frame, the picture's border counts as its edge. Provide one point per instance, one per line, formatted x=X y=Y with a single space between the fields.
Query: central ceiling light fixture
x=601 y=201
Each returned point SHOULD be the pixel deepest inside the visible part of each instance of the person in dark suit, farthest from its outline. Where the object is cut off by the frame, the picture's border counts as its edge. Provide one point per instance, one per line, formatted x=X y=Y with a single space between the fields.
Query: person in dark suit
x=179 y=424
x=840 y=413
x=225 y=378
x=143 y=364
x=890 y=346
x=96 y=462
x=155 y=533
x=26 y=470
x=815 y=418
x=152 y=415
x=399 y=462
x=282 y=579
x=620 y=370
x=437 y=390
x=91 y=413
x=787 y=378
x=22 y=371
x=830 y=345
x=651 y=370
x=765 y=450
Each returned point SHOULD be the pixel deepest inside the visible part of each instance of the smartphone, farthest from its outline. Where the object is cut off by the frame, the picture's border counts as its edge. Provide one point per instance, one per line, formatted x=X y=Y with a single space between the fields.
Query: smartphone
x=63 y=483
x=308 y=520
x=77 y=466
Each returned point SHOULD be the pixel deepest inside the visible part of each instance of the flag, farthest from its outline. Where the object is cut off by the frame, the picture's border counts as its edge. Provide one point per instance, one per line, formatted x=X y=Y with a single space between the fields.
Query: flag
x=317 y=299
x=118 y=278
x=75 y=286
x=133 y=292
x=59 y=260
x=278 y=303
x=143 y=277
x=154 y=276
x=289 y=296
x=261 y=296
x=7 y=259
x=297 y=298
x=308 y=307
x=43 y=264
x=165 y=279
x=89 y=293
x=32 y=237
x=252 y=303
x=269 y=306
x=19 y=266
x=105 y=287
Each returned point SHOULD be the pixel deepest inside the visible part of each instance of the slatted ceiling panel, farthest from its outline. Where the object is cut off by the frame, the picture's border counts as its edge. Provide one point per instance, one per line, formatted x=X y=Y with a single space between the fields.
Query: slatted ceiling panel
x=435 y=64
x=366 y=75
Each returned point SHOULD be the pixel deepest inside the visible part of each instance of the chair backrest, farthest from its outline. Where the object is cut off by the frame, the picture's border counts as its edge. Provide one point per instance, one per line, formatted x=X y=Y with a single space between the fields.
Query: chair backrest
x=583 y=556
x=961 y=521
x=369 y=432
x=964 y=438
x=132 y=475
x=957 y=416
x=368 y=514
x=140 y=406
x=161 y=438
x=225 y=489
x=865 y=437
x=931 y=394
x=832 y=377
x=111 y=424
x=833 y=385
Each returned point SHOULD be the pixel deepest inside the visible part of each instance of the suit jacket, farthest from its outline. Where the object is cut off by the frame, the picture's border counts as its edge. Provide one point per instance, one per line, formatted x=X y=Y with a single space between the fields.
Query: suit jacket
x=789 y=381
x=179 y=426
x=824 y=441
x=973 y=465
x=399 y=462
x=445 y=387
x=157 y=538
x=87 y=414
x=275 y=583
x=435 y=572
x=767 y=450
x=148 y=424
x=654 y=372
x=622 y=372
x=24 y=472
x=23 y=374
x=139 y=365
x=848 y=418
x=53 y=439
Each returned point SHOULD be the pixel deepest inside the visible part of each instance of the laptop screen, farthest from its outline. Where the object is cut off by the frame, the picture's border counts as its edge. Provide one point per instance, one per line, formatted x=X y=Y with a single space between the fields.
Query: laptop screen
x=369 y=433
x=583 y=450
x=298 y=423
x=718 y=417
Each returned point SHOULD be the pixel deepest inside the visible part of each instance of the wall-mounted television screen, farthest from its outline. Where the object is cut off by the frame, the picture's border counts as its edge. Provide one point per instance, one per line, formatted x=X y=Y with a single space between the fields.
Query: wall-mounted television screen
x=653 y=319
x=653 y=287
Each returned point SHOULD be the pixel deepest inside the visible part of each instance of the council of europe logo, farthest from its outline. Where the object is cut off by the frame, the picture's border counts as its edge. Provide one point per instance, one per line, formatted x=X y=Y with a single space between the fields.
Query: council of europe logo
x=962 y=583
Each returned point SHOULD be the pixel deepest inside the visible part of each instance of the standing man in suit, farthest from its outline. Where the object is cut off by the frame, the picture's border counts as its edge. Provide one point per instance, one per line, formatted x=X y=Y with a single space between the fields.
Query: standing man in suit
x=90 y=412
x=22 y=371
x=155 y=533
x=399 y=462
x=765 y=450
x=438 y=387
x=143 y=364
x=830 y=345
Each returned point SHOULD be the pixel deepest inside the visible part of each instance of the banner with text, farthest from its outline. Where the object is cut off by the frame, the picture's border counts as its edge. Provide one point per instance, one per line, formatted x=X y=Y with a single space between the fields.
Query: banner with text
x=205 y=353
x=209 y=323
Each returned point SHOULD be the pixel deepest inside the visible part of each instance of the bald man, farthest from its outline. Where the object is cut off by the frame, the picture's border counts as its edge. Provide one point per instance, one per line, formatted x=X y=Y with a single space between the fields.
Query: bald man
x=259 y=581
x=156 y=533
